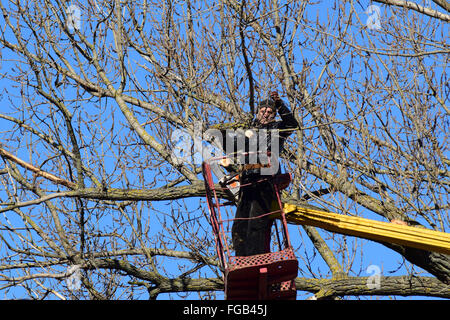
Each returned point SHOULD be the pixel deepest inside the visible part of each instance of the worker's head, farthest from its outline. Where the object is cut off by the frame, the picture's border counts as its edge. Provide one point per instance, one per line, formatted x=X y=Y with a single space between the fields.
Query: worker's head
x=266 y=111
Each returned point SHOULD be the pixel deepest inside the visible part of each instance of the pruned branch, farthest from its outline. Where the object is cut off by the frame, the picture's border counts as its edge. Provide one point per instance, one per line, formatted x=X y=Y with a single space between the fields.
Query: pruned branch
x=421 y=9
x=36 y=170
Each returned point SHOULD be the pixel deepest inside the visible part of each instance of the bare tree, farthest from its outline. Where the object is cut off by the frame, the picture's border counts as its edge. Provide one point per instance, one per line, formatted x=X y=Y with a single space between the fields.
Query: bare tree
x=95 y=206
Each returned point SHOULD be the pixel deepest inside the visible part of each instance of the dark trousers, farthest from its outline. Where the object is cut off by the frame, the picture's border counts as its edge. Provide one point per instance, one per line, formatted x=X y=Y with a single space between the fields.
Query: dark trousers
x=250 y=236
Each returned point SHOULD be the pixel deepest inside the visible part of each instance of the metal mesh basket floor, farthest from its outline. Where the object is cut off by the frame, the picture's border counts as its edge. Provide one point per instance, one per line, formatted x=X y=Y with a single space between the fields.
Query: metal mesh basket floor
x=244 y=279
x=261 y=259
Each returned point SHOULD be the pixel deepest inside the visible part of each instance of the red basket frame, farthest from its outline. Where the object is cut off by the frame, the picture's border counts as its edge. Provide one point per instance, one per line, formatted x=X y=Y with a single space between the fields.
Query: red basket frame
x=265 y=276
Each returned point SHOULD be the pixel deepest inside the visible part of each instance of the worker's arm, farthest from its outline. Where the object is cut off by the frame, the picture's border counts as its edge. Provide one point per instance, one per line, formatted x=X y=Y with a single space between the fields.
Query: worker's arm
x=231 y=138
x=288 y=120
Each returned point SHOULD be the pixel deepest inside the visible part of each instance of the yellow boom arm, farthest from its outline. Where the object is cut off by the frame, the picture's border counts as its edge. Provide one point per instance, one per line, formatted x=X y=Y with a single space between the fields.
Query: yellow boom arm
x=420 y=238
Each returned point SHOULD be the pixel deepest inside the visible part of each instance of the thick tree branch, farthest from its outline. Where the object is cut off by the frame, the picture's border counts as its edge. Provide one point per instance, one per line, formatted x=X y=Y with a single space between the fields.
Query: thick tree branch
x=357 y=286
x=421 y=9
x=352 y=286
x=36 y=170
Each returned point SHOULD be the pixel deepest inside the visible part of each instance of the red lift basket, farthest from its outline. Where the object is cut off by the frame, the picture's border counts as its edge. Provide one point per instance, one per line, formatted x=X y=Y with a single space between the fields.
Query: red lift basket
x=264 y=276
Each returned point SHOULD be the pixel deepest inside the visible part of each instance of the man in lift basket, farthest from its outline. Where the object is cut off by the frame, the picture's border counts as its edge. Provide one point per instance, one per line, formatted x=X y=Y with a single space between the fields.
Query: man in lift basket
x=257 y=193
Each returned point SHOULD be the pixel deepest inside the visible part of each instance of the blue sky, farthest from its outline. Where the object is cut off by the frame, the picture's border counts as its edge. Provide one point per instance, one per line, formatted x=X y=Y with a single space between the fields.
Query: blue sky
x=104 y=117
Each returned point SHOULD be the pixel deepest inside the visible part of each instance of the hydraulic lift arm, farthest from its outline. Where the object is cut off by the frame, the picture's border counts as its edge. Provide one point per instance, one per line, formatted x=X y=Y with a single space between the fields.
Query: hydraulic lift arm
x=420 y=238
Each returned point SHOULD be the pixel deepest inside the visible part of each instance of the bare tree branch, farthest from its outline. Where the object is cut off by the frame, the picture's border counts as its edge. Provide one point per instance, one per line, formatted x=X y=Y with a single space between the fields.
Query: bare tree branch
x=421 y=9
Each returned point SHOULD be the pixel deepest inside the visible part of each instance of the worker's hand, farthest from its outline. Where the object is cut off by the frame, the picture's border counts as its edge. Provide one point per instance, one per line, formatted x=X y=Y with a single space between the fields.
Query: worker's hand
x=225 y=162
x=249 y=133
x=275 y=97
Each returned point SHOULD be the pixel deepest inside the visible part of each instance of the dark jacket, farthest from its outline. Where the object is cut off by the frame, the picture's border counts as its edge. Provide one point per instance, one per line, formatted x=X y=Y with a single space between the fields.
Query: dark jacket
x=257 y=196
x=287 y=122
